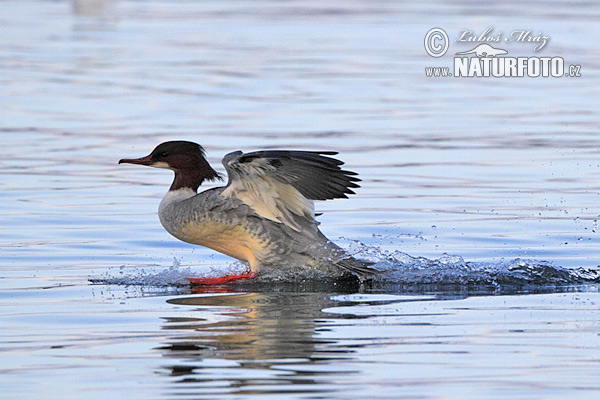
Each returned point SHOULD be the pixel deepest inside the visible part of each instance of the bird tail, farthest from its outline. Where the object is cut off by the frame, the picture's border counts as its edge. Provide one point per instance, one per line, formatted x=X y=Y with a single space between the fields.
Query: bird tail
x=359 y=268
x=337 y=257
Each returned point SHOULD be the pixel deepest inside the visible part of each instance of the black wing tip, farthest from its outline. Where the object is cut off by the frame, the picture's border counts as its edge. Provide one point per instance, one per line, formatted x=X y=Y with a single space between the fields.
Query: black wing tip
x=285 y=154
x=218 y=177
x=316 y=175
x=350 y=174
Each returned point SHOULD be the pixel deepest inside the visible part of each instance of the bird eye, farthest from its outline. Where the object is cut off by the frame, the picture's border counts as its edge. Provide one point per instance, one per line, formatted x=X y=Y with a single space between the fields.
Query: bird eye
x=164 y=154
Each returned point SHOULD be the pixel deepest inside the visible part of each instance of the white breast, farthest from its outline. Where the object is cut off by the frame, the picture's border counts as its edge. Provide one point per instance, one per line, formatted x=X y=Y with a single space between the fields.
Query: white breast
x=171 y=199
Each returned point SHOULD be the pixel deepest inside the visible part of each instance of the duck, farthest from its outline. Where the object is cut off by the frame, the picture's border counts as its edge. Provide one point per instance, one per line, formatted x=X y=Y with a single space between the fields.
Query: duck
x=264 y=216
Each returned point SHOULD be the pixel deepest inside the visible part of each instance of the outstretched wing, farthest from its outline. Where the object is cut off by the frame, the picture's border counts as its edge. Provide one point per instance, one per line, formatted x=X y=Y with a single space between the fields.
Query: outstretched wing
x=281 y=185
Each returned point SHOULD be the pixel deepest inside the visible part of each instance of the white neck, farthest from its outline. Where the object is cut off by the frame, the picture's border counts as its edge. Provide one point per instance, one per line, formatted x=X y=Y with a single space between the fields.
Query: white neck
x=174 y=196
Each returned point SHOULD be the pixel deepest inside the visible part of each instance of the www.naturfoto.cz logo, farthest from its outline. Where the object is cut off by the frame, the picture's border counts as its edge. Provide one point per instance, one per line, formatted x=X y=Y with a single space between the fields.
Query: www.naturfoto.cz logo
x=489 y=56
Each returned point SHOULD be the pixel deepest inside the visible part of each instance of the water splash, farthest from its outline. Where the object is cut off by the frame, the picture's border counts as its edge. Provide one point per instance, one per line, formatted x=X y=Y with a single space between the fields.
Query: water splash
x=403 y=268
x=394 y=267
x=157 y=276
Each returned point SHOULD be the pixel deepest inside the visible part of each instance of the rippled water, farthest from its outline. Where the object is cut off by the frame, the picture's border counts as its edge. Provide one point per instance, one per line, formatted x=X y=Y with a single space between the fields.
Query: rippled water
x=480 y=200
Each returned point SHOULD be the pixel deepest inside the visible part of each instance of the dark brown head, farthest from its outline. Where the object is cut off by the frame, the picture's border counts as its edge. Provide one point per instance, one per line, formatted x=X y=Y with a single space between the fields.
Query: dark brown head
x=186 y=159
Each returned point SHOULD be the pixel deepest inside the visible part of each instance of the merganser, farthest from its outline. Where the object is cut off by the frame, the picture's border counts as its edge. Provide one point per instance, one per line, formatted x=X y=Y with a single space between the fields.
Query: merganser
x=264 y=216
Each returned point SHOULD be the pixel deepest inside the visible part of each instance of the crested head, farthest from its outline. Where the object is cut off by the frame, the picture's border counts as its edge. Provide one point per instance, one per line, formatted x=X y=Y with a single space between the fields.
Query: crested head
x=186 y=159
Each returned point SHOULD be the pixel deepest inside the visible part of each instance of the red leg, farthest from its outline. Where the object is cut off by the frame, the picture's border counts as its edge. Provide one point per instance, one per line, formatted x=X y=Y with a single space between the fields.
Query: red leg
x=221 y=280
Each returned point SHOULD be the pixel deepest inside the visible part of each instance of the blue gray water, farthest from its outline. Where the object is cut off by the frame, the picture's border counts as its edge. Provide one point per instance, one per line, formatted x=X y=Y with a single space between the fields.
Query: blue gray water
x=480 y=200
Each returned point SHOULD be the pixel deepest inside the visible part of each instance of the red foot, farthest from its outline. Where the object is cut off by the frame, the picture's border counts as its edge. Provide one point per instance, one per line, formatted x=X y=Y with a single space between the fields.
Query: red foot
x=221 y=280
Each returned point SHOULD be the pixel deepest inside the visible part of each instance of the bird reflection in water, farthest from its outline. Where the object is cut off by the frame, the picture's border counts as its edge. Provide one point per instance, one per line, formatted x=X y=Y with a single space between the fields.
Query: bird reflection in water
x=253 y=343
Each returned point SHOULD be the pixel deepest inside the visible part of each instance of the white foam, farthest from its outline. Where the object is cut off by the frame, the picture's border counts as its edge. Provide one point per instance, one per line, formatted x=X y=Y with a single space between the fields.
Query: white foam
x=394 y=267
x=156 y=276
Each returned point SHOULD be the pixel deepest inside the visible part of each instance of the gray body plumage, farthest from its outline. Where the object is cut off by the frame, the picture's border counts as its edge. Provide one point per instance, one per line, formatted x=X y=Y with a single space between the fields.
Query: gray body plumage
x=275 y=245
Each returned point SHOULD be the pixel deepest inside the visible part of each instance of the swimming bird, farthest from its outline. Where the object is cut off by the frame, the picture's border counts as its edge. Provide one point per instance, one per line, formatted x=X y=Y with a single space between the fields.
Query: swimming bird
x=264 y=215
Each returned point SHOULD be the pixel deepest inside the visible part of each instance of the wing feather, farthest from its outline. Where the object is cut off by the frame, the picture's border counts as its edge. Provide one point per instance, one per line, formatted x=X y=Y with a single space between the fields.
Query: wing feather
x=281 y=185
